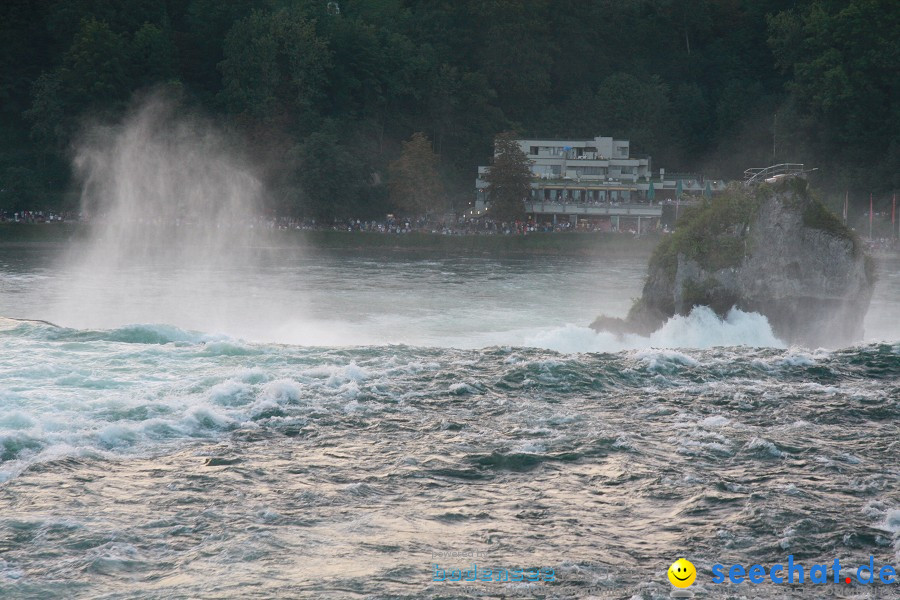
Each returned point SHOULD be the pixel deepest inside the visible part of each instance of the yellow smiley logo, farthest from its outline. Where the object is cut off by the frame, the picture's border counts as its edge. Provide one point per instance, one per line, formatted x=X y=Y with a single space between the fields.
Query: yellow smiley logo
x=682 y=573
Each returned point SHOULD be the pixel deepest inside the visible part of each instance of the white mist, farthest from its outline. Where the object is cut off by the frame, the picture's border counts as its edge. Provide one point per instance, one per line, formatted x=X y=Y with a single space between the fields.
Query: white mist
x=171 y=208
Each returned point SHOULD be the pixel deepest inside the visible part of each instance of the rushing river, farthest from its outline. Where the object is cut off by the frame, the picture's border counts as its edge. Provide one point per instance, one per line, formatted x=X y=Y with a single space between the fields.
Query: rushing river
x=335 y=425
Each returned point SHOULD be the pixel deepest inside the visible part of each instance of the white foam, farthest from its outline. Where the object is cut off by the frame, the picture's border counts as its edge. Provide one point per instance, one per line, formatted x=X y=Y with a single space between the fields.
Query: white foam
x=891 y=521
x=338 y=375
x=16 y=420
x=282 y=391
x=350 y=390
x=702 y=328
x=692 y=447
x=230 y=393
x=891 y=525
x=8 y=573
x=665 y=360
x=530 y=448
x=623 y=442
x=764 y=447
x=462 y=389
x=114 y=436
x=798 y=359
x=274 y=396
x=204 y=418
x=715 y=421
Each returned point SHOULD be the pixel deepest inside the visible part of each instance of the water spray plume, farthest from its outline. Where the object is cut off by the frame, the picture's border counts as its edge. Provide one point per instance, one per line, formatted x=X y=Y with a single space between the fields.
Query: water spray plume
x=160 y=182
x=169 y=204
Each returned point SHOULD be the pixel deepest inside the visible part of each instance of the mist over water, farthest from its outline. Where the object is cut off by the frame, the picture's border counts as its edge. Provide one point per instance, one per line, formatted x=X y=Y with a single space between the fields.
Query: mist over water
x=170 y=205
x=176 y=240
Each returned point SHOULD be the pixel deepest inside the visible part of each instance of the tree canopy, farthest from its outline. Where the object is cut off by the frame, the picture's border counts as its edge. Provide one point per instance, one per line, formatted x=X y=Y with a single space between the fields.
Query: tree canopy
x=325 y=98
x=415 y=183
x=509 y=179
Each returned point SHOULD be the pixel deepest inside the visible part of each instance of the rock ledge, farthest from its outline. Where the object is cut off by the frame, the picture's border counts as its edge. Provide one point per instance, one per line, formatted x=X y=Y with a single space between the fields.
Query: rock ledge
x=775 y=250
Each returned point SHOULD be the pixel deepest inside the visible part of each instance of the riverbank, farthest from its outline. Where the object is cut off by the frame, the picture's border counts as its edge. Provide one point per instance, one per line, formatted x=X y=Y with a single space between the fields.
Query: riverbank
x=562 y=244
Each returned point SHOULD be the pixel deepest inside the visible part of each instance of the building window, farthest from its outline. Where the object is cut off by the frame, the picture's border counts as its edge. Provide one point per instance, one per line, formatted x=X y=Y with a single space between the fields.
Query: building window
x=555 y=169
x=627 y=170
x=533 y=150
x=622 y=150
x=594 y=170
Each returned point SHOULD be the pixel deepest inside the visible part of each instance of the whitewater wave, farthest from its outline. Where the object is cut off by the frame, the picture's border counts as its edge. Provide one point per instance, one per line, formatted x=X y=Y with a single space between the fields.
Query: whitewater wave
x=141 y=390
x=701 y=329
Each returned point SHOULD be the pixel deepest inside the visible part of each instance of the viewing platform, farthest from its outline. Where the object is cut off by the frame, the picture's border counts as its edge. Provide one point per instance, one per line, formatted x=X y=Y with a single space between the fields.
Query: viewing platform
x=774 y=173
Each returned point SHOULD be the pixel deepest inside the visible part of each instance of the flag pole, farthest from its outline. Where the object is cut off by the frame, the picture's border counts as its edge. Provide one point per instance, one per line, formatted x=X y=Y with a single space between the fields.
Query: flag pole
x=893 y=212
x=870 y=216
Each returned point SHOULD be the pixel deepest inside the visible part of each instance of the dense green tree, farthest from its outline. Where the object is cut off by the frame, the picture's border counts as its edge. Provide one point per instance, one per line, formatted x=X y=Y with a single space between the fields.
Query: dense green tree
x=24 y=53
x=690 y=111
x=415 y=183
x=332 y=179
x=694 y=83
x=274 y=62
x=509 y=179
x=21 y=189
x=200 y=31
x=635 y=109
x=95 y=69
x=153 y=56
x=842 y=58
x=123 y=17
x=48 y=112
x=93 y=77
x=516 y=51
x=462 y=112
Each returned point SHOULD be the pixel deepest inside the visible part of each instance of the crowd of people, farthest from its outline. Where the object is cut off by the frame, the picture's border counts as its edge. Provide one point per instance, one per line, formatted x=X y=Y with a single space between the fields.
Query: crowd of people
x=461 y=226
x=389 y=225
x=398 y=226
x=37 y=216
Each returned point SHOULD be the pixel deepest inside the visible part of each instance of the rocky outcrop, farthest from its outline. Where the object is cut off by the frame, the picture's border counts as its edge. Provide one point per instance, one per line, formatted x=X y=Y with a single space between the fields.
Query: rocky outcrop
x=773 y=250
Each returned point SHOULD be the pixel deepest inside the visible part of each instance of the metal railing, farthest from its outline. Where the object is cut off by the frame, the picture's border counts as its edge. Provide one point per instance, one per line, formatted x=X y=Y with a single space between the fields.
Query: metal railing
x=758 y=175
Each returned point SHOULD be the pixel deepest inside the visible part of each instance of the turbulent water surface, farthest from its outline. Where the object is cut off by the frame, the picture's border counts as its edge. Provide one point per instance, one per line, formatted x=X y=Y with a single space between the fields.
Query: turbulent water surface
x=334 y=426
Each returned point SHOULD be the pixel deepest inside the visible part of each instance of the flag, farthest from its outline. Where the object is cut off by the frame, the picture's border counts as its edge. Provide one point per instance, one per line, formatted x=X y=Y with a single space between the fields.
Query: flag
x=651 y=193
x=846 y=202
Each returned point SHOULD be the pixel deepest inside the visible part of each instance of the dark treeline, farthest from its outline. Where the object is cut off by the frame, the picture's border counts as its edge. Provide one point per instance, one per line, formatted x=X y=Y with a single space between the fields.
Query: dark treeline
x=323 y=94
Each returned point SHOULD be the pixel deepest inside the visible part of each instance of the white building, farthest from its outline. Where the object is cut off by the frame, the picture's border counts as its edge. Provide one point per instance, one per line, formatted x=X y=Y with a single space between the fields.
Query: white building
x=577 y=171
x=596 y=178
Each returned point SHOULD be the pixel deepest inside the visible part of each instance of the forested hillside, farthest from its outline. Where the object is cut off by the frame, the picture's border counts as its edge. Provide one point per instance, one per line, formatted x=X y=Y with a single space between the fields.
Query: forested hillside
x=322 y=94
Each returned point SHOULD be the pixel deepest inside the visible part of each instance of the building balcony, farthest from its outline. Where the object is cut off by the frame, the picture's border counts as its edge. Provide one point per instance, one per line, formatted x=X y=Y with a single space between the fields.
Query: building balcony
x=593 y=209
x=587 y=162
x=600 y=183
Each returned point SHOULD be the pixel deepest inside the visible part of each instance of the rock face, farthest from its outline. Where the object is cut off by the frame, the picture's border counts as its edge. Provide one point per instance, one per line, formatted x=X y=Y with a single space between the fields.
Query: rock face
x=773 y=250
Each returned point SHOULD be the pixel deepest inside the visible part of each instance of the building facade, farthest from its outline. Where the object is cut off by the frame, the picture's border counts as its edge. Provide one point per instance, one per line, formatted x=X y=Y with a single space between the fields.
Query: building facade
x=596 y=179
x=580 y=171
